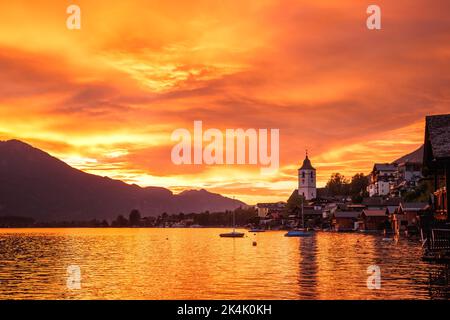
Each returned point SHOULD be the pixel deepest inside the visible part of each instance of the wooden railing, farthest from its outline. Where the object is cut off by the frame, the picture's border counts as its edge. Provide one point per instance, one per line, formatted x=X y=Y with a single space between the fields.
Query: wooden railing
x=440 y=240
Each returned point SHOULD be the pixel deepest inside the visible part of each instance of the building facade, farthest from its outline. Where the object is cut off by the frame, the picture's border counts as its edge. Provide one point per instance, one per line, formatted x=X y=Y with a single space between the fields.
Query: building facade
x=266 y=209
x=382 y=179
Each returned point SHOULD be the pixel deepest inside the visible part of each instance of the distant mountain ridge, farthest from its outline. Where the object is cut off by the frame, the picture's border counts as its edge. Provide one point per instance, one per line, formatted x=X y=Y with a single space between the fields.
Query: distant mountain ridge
x=415 y=156
x=38 y=185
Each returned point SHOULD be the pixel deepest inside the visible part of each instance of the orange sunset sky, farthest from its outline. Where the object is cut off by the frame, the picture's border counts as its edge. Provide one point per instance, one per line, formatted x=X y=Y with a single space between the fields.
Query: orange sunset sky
x=106 y=98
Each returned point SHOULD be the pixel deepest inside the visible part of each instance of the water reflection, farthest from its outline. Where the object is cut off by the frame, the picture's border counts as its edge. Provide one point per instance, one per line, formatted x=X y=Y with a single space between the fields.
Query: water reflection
x=439 y=283
x=198 y=264
x=308 y=268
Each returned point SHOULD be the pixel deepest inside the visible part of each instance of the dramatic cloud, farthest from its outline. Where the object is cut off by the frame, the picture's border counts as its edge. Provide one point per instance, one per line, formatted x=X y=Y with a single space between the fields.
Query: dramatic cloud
x=106 y=98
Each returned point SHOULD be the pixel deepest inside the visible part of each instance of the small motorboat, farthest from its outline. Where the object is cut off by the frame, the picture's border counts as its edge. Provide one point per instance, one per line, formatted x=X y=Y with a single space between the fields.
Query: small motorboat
x=232 y=234
x=256 y=230
x=299 y=233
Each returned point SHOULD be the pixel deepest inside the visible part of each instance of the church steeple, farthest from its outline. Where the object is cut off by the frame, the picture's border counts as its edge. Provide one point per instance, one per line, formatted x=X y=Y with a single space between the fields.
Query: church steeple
x=307 y=179
x=307 y=163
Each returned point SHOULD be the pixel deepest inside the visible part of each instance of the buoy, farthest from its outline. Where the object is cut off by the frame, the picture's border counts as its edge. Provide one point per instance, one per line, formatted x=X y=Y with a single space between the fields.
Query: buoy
x=254 y=243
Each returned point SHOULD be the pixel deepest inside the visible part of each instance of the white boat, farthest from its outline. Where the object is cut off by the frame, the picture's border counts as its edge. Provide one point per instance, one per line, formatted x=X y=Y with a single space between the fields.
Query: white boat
x=234 y=233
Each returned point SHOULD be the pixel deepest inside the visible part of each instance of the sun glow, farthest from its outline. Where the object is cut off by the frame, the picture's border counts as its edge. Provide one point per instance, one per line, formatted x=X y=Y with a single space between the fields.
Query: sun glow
x=107 y=97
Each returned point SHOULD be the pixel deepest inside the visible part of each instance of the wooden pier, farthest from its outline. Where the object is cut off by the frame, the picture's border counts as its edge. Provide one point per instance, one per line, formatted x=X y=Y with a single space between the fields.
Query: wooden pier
x=436 y=245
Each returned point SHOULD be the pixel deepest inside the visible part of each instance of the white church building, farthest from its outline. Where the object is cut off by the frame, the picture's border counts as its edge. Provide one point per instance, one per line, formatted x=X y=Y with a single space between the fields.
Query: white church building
x=307 y=180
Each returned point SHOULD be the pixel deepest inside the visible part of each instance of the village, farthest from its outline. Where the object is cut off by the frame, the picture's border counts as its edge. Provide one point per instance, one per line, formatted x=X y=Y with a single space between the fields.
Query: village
x=383 y=209
x=407 y=198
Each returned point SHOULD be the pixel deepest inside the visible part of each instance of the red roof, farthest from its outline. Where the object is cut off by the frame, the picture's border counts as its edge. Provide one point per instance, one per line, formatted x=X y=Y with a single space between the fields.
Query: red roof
x=374 y=213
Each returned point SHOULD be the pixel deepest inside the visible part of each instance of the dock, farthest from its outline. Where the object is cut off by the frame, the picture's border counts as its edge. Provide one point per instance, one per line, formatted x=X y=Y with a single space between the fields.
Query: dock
x=436 y=245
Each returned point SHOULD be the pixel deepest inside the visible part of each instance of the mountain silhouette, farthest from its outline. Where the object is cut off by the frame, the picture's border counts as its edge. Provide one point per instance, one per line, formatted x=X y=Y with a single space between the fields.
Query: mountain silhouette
x=415 y=156
x=35 y=184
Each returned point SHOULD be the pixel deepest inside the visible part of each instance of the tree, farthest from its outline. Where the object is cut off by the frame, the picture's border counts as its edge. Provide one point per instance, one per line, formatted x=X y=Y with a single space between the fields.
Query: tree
x=358 y=187
x=135 y=218
x=120 y=221
x=104 y=223
x=421 y=193
x=294 y=203
x=338 y=185
x=359 y=183
x=245 y=216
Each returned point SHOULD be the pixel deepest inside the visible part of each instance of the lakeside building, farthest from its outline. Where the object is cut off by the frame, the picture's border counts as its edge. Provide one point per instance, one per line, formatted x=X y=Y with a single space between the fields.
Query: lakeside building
x=342 y=221
x=313 y=217
x=270 y=209
x=436 y=159
x=379 y=203
x=407 y=216
x=373 y=220
x=435 y=227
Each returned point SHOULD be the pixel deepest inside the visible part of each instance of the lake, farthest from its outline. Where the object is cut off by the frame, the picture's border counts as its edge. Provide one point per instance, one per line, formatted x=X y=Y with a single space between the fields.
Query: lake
x=198 y=264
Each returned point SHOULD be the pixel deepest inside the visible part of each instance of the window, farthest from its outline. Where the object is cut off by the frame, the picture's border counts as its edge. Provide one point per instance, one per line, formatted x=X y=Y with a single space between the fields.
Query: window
x=303 y=174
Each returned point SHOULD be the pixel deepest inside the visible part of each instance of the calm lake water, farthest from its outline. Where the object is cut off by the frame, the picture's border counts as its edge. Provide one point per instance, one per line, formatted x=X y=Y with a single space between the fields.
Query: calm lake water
x=198 y=264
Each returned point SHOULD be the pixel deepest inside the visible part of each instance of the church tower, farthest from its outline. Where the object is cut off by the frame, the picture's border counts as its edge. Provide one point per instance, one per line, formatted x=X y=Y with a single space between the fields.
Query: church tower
x=307 y=180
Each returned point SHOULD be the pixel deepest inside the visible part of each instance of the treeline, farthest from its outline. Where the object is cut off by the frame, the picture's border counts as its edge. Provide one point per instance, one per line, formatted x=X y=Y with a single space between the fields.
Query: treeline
x=135 y=219
x=355 y=187
x=206 y=219
x=18 y=222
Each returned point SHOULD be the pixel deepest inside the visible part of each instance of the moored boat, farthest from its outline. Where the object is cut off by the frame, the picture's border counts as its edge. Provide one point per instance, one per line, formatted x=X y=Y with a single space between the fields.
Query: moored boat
x=256 y=230
x=299 y=233
x=233 y=234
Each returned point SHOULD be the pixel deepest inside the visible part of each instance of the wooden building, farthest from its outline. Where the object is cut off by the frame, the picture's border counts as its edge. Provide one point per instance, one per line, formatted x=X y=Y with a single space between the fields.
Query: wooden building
x=270 y=209
x=345 y=220
x=407 y=216
x=313 y=217
x=375 y=219
x=436 y=160
x=435 y=228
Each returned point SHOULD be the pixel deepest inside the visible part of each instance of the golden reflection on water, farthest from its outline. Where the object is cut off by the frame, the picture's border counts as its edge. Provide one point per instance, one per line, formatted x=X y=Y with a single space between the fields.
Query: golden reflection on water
x=198 y=264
